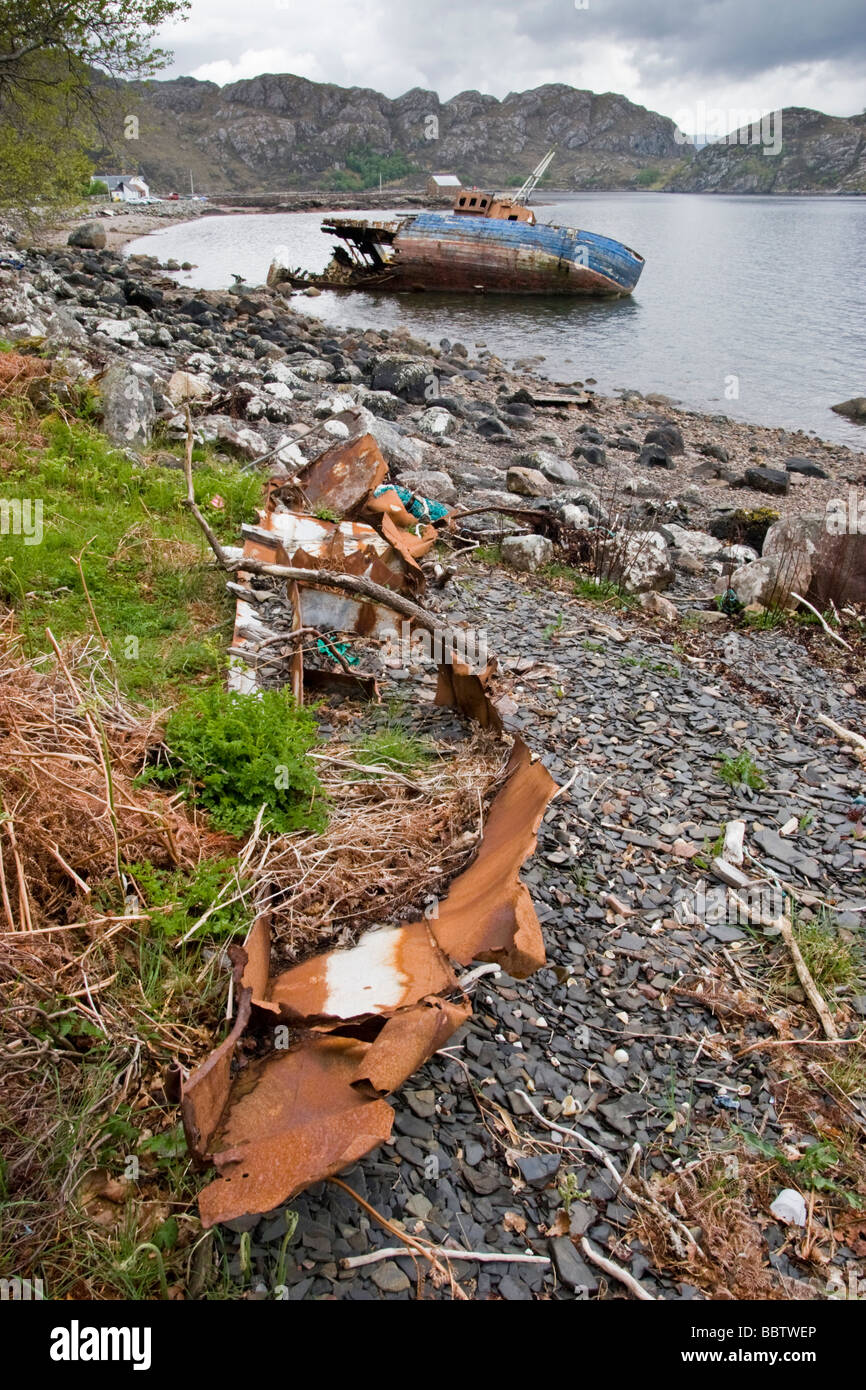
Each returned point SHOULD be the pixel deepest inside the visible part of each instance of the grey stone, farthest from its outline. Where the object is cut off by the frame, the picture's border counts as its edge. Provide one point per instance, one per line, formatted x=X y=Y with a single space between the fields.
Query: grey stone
x=128 y=411
x=773 y=480
x=90 y=235
x=574 y=1272
x=390 y=1278
x=527 y=552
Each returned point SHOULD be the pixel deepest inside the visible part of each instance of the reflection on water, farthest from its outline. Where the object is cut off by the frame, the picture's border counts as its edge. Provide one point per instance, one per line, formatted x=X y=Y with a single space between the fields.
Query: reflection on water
x=750 y=307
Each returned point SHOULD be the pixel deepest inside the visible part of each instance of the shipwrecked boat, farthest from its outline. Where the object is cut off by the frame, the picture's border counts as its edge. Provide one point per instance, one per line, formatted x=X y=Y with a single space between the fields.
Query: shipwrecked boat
x=486 y=243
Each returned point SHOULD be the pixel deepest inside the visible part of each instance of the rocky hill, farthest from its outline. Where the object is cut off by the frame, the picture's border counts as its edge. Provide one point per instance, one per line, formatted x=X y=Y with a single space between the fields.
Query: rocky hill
x=818 y=154
x=280 y=132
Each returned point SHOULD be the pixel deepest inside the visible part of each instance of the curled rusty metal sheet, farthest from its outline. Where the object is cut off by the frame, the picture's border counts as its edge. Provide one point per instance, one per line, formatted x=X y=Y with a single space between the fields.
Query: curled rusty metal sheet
x=361 y=1021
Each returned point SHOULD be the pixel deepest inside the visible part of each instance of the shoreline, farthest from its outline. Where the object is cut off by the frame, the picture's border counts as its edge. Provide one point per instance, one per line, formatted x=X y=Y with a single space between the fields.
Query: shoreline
x=143 y=223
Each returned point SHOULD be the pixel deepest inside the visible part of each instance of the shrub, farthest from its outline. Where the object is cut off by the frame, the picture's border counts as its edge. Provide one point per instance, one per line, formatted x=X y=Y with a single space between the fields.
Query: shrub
x=240 y=752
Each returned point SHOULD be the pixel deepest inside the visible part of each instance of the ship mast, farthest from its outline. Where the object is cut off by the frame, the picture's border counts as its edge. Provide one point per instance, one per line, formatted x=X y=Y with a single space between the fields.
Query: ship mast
x=526 y=191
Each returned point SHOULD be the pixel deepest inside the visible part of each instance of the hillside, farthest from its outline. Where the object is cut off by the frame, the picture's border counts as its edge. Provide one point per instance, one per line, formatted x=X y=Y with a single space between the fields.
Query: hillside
x=280 y=132
x=819 y=154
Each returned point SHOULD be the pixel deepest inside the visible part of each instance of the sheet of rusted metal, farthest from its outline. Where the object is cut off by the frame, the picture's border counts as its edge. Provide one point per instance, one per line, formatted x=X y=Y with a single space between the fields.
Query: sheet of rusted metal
x=362 y=1020
x=343 y=476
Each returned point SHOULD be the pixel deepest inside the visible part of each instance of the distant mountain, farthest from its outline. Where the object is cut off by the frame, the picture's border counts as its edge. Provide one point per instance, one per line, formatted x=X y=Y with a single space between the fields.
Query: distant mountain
x=814 y=154
x=279 y=132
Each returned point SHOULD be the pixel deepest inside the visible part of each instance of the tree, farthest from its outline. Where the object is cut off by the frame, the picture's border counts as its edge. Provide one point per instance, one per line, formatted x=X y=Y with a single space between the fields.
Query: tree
x=59 y=63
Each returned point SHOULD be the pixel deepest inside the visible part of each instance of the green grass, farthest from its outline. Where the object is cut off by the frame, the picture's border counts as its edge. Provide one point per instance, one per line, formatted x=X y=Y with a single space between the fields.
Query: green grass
x=831 y=961
x=741 y=770
x=820 y=1168
x=161 y=606
x=177 y=898
x=766 y=621
x=587 y=587
x=487 y=554
x=393 y=748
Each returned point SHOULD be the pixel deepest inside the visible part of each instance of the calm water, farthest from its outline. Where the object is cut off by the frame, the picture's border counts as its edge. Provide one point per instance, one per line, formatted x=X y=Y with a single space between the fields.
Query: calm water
x=760 y=298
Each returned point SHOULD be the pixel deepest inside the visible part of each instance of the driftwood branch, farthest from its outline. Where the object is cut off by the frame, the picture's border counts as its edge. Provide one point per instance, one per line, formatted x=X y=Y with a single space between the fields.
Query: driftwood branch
x=847 y=735
x=615 y=1271
x=446 y=1252
x=825 y=625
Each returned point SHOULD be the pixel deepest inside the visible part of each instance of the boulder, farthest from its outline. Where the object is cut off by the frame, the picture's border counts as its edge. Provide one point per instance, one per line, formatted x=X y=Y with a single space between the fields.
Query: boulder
x=555 y=469
x=773 y=480
x=119 y=331
x=655 y=456
x=668 y=436
x=805 y=466
x=639 y=560
x=527 y=552
x=247 y=443
x=89 y=235
x=494 y=430
x=184 y=386
x=578 y=517
x=855 y=409
x=694 y=542
x=128 y=409
x=437 y=422
x=660 y=606
x=737 y=555
x=527 y=482
x=768 y=581
x=404 y=377
x=593 y=454
x=430 y=483
x=829 y=561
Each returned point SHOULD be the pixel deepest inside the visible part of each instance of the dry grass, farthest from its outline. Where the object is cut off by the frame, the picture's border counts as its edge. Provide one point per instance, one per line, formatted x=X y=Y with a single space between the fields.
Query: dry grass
x=94 y=1010
x=717 y=1203
x=389 y=840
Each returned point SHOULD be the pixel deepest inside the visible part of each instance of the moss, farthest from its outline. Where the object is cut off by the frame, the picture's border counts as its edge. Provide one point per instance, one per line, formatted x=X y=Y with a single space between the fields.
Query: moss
x=745 y=527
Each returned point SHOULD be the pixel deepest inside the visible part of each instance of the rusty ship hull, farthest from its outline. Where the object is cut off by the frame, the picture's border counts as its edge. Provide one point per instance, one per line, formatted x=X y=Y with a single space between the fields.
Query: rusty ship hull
x=457 y=253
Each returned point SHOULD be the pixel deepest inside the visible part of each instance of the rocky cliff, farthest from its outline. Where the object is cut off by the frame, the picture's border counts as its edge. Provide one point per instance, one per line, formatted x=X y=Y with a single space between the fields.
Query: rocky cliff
x=281 y=132
x=806 y=152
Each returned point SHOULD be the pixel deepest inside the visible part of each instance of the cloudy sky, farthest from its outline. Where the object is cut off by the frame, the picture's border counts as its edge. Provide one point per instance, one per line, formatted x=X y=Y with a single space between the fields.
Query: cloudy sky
x=669 y=55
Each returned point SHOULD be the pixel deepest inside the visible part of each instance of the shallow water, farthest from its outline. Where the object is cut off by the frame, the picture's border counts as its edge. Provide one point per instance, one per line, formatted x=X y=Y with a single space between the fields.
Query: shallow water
x=748 y=307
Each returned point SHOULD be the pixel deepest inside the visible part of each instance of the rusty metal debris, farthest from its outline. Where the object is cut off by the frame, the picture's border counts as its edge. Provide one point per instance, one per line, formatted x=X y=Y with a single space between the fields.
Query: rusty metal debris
x=295 y=1092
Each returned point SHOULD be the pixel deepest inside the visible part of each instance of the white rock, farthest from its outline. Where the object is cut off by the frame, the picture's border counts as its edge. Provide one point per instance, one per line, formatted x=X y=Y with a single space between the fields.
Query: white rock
x=656 y=603
x=732 y=850
x=737 y=555
x=527 y=552
x=184 y=386
x=694 y=542
x=789 y=1207
x=437 y=422
x=336 y=428
x=279 y=390
x=578 y=517
x=118 y=330
x=640 y=560
x=278 y=371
